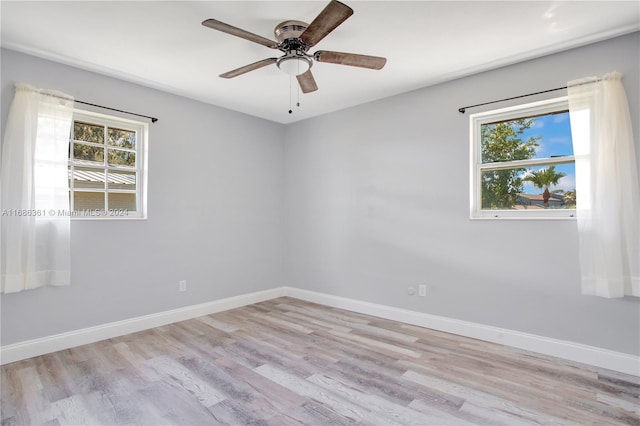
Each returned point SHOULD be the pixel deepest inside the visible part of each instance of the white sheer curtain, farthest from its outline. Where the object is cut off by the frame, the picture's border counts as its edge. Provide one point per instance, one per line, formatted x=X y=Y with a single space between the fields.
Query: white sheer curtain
x=34 y=197
x=607 y=188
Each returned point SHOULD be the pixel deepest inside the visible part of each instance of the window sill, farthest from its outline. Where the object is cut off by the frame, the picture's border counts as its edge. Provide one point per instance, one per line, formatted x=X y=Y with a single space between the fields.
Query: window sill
x=523 y=215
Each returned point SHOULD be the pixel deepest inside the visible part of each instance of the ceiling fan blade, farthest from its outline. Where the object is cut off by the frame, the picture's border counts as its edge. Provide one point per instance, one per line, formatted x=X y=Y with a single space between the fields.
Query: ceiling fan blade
x=230 y=29
x=334 y=14
x=352 y=59
x=247 y=68
x=307 y=82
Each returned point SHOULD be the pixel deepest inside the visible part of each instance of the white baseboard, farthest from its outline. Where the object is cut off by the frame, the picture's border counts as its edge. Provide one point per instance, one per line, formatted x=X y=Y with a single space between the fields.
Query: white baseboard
x=591 y=355
x=577 y=352
x=58 y=342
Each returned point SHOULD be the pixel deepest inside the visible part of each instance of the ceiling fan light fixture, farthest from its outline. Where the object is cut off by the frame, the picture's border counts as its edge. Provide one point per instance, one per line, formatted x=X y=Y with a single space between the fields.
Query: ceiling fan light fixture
x=294 y=65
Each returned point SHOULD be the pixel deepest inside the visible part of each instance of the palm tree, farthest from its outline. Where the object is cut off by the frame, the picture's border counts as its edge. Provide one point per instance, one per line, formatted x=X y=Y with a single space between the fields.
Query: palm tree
x=543 y=179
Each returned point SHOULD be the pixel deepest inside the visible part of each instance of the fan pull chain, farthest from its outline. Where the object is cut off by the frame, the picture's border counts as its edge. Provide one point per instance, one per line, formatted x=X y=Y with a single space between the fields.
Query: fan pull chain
x=290 y=97
x=298 y=87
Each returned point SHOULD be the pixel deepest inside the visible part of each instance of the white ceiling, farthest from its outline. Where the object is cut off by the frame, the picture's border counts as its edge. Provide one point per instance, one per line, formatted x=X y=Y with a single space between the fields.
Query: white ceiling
x=162 y=44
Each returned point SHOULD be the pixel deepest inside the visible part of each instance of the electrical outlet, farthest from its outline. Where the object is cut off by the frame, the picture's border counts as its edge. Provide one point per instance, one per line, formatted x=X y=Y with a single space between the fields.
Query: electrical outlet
x=422 y=290
x=182 y=286
x=411 y=291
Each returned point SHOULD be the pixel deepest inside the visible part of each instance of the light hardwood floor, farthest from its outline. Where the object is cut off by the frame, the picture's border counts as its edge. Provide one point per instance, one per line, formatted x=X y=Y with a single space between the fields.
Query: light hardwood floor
x=288 y=362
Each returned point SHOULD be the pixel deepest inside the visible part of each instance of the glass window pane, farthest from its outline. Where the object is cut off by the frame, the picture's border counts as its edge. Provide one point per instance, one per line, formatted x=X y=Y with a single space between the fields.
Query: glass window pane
x=559 y=180
x=86 y=153
x=122 y=180
x=84 y=177
x=122 y=138
x=88 y=201
x=119 y=201
x=542 y=136
x=540 y=187
x=88 y=132
x=121 y=158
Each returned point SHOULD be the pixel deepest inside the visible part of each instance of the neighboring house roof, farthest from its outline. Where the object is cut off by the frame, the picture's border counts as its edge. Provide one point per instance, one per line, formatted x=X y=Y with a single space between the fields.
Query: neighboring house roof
x=539 y=197
x=118 y=178
x=531 y=207
x=115 y=177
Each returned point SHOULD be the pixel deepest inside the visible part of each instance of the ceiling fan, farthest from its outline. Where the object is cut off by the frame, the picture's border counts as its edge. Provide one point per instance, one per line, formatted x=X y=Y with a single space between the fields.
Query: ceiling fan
x=295 y=38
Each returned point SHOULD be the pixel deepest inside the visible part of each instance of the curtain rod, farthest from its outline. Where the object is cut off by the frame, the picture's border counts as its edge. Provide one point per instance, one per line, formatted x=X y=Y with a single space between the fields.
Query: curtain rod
x=463 y=109
x=153 y=119
x=62 y=96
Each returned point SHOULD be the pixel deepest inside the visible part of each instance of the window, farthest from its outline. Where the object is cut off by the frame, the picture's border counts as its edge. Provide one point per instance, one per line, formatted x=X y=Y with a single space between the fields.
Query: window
x=107 y=167
x=522 y=162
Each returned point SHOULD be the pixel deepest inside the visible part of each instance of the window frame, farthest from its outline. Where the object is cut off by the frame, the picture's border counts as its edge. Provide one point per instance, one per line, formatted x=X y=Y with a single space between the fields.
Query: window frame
x=476 y=121
x=142 y=131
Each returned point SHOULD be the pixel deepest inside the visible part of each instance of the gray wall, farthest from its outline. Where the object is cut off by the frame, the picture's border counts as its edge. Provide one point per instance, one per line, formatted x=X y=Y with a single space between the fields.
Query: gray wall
x=377 y=199
x=215 y=212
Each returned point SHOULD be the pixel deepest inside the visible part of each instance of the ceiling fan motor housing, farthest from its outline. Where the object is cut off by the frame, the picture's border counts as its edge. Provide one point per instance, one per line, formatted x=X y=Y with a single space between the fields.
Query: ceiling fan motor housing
x=295 y=61
x=289 y=29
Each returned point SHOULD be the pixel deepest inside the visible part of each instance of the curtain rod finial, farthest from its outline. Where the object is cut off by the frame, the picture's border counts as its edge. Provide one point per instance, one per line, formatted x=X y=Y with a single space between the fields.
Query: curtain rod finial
x=461 y=110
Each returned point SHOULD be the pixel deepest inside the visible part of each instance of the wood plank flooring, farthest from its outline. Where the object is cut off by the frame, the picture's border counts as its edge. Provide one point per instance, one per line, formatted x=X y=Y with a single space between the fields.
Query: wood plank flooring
x=289 y=362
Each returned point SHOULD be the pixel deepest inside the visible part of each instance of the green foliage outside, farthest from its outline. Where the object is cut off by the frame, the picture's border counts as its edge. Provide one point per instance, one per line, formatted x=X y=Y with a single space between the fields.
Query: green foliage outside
x=116 y=138
x=502 y=142
x=569 y=198
x=544 y=178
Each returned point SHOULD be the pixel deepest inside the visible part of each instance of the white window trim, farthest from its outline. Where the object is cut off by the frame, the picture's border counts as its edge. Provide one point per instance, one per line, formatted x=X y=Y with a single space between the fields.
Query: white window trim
x=476 y=166
x=142 y=130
